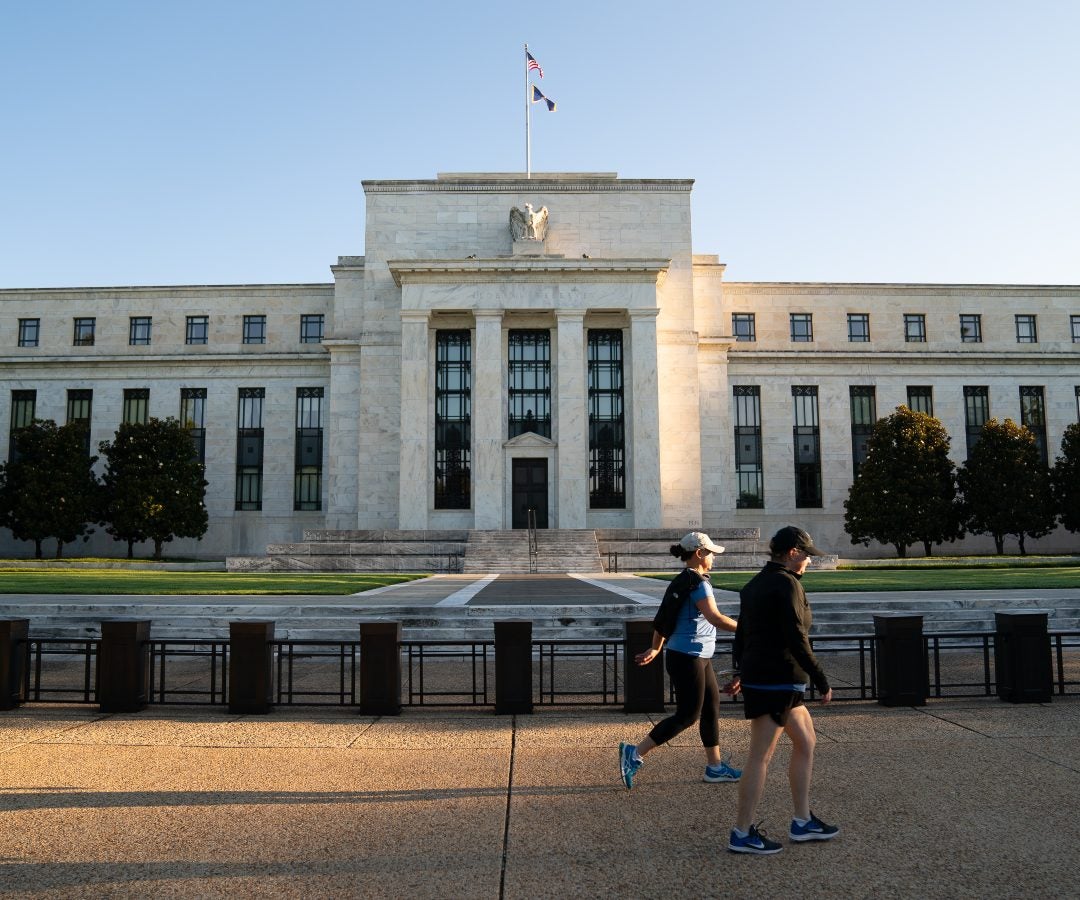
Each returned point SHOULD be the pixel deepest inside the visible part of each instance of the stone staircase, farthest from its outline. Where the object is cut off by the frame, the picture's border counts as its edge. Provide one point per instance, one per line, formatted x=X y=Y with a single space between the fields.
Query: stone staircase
x=557 y=551
x=313 y=619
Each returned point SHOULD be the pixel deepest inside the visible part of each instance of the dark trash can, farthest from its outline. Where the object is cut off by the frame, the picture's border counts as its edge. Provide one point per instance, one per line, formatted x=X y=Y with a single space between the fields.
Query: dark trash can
x=380 y=668
x=643 y=685
x=513 y=667
x=1023 y=662
x=251 y=667
x=123 y=665
x=903 y=675
x=14 y=653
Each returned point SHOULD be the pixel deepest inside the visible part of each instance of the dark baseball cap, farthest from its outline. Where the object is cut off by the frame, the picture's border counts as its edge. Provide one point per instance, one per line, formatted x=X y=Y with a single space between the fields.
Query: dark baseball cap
x=791 y=538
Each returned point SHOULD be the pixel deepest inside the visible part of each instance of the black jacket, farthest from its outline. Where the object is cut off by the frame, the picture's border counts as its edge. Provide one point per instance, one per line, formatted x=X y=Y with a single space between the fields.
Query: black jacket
x=772 y=643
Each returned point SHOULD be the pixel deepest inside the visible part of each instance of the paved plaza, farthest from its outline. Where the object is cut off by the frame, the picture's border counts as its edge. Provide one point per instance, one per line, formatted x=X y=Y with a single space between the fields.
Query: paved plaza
x=961 y=798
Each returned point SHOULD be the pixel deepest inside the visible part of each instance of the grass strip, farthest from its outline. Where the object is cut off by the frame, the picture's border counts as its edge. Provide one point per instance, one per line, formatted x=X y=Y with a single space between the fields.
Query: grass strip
x=138 y=581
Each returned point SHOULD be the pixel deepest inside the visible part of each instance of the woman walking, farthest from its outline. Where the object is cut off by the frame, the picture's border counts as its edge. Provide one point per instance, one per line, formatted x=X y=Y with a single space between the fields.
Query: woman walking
x=686 y=622
x=775 y=662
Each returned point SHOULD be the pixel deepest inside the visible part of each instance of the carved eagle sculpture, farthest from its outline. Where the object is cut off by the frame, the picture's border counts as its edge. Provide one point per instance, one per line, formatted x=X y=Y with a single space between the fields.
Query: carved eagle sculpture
x=530 y=224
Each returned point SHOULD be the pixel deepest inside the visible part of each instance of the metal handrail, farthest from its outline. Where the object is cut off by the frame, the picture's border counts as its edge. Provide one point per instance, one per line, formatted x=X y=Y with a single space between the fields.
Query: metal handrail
x=534 y=549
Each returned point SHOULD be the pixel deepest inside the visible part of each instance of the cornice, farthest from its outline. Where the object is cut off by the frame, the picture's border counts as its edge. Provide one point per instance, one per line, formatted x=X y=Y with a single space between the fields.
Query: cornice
x=978 y=359
x=153 y=290
x=185 y=360
x=844 y=288
x=535 y=185
x=523 y=268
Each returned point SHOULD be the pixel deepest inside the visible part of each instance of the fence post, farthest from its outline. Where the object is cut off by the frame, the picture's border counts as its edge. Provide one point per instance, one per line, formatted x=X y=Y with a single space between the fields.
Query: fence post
x=123 y=665
x=14 y=650
x=1023 y=663
x=380 y=668
x=643 y=685
x=251 y=667
x=513 y=667
x=902 y=665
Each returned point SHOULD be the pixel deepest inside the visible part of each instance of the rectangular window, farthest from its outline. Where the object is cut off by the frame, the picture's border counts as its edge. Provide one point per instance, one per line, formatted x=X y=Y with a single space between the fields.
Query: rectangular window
x=976 y=412
x=1074 y=324
x=529 y=392
x=254 y=329
x=29 y=332
x=915 y=328
x=807 y=439
x=607 y=442
x=136 y=406
x=1026 y=330
x=311 y=329
x=971 y=329
x=139 y=330
x=193 y=418
x=84 y=332
x=1033 y=417
x=802 y=327
x=453 y=419
x=249 y=448
x=79 y=408
x=743 y=326
x=858 y=327
x=863 y=417
x=749 y=471
x=23 y=405
x=307 y=489
x=198 y=330
x=920 y=399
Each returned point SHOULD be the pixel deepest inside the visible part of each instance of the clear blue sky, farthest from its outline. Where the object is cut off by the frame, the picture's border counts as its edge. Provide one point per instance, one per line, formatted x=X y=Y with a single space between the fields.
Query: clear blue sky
x=198 y=142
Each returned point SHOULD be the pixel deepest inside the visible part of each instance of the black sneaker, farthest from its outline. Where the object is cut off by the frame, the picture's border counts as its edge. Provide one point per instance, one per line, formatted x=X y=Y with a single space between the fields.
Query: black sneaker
x=754 y=842
x=814 y=830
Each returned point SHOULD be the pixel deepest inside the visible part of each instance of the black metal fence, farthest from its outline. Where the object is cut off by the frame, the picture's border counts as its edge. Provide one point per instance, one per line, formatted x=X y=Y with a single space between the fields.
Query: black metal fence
x=461 y=673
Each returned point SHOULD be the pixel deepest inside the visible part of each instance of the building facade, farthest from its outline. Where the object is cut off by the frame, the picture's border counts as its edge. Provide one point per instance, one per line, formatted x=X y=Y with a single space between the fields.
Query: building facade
x=551 y=344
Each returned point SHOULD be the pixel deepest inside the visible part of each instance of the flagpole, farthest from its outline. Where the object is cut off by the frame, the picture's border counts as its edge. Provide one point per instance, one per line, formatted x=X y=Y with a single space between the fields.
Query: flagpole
x=528 y=141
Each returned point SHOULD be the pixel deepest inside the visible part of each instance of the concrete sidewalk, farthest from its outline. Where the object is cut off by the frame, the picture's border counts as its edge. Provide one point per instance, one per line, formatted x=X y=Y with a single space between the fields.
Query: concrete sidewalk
x=960 y=798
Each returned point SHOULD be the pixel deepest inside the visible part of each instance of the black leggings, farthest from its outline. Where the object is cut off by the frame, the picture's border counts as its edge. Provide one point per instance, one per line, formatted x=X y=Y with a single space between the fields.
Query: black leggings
x=697 y=699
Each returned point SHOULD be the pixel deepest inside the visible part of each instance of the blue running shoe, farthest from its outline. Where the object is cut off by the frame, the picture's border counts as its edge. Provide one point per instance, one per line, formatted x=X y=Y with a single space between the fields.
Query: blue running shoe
x=722 y=772
x=754 y=842
x=628 y=763
x=813 y=830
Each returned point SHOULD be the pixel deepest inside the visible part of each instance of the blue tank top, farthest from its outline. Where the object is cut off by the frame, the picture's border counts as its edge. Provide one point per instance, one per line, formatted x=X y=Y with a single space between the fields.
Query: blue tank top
x=694 y=635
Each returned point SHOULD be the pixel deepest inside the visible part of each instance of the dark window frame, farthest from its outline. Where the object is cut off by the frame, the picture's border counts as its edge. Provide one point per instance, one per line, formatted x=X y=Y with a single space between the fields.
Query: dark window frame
x=250 y=437
x=80 y=408
x=863 y=404
x=193 y=417
x=308 y=465
x=84 y=331
x=802 y=327
x=915 y=328
x=607 y=418
x=920 y=398
x=1033 y=416
x=136 y=409
x=1027 y=328
x=26 y=326
x=744 y=326
x=453 y=419
x=140 y=330
x=311 y=328
x=858 y=325
x=192 y=326
x=971 y=328
x=254 y=329
x=23 y=412
x=976 y=413
x=806 y=436
x=749 y=457
x=528 y=406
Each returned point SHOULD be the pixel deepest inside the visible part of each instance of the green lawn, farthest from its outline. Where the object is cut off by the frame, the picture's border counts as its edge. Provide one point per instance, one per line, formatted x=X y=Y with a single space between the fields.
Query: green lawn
x=973 y=578
x=118 y=581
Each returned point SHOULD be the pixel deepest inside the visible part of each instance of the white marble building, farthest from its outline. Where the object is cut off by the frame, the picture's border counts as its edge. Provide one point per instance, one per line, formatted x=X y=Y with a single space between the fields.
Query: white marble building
x=600 y=372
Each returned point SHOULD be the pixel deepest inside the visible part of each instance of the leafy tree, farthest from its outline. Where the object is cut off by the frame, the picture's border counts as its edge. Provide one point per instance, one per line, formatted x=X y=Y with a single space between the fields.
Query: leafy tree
x=1006 y=486
x=1065 y=478
x=48 y=488
x=905 y=491
x=154 y=485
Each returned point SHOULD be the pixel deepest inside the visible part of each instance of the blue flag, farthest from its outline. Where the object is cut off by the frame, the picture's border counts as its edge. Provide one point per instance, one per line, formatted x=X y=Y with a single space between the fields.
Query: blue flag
x=537 y=97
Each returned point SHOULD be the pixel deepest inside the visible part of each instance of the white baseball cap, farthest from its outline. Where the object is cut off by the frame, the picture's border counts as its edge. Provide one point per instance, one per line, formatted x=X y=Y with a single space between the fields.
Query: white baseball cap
x=699 y=540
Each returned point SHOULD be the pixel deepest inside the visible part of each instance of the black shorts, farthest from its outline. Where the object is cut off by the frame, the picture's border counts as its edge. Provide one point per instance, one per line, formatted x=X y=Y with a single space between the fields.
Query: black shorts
x=776 y=704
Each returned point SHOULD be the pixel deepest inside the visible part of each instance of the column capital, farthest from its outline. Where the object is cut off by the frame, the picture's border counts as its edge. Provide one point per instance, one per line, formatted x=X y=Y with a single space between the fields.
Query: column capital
x=570 y=314
x=488 y=313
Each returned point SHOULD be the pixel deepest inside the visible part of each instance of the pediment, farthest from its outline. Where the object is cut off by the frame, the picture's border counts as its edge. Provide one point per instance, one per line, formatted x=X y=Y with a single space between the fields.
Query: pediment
x=530 y=440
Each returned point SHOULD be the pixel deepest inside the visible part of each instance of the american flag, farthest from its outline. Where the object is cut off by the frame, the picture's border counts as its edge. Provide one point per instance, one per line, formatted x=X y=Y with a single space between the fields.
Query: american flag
x=532 y=64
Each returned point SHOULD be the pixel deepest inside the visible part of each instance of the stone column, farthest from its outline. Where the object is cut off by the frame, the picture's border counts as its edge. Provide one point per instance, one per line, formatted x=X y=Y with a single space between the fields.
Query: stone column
x=342 y=477
x=416 y=462
x=572 y=464
x=645 y=419
x=487 y=419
